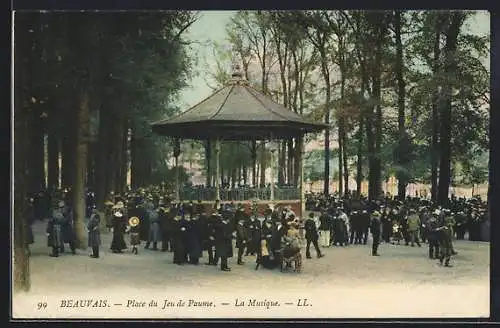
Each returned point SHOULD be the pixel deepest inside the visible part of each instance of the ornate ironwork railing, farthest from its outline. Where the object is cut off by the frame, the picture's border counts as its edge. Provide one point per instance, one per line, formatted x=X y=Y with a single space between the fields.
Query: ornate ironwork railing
x=239 y=194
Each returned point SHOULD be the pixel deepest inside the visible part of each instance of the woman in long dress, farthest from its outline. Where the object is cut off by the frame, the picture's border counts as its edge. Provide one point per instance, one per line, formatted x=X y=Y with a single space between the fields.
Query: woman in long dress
x=119 y=223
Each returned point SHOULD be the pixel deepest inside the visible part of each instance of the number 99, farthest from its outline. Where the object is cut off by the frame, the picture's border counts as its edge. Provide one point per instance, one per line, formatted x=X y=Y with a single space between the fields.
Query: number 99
x=41 y=305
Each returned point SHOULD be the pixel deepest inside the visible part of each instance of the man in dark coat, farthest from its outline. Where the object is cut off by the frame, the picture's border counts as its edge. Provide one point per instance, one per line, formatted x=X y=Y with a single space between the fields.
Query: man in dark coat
x=311 y=236
x=166 y=221
x=355 y=231
x=223 y=242
x=278 y=233
x=153 y=217
x=194 y=239
x=267 y=231
x=253 y=227
x=54 y=230
x=29 y=218
x=68 y=230
x=432 y=236
x=364 y=225
x=241 y=239
x=94 y=234
x=375 y=230
x=144 y=225
x=209 y=224
x=460 y=227
x=339 y=231
x=444 y=235
x=386 y=225
x=180 y=235
x=324 y=228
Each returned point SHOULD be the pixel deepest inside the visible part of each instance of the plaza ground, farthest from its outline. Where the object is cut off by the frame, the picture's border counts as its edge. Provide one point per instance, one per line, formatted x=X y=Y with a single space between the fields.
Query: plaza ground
x=347 y=283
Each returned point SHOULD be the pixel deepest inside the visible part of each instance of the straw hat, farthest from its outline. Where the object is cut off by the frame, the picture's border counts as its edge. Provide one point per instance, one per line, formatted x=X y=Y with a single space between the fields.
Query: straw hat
x=134 y=221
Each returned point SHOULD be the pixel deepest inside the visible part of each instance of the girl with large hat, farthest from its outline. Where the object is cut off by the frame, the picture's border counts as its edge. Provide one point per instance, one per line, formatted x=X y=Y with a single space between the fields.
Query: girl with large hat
x=133 y=228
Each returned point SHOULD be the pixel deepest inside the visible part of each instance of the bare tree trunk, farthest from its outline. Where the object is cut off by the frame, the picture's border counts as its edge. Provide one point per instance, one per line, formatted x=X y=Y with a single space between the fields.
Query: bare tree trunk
x=402 y=180
x=82 y=139
x=326 y=77
x=376 y=166
x=125 y=158
x=341 y=161
x=68 y=147
x=346 y=169
x=134 y=165
x=37 y=154
x=118 y=148
x=450 y=69
x=359 y=160
x=435 y=120
x=53 y=161
x=111 y=161
x=101 y=155
x=21 y=268
x=362 y=117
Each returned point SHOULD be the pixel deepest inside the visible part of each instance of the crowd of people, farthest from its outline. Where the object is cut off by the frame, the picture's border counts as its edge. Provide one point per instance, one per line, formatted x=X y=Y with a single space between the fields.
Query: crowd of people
x=188 y=229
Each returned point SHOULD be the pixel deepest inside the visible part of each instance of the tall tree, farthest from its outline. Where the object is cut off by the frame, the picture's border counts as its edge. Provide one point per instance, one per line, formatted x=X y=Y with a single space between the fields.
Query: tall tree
x=450 y=68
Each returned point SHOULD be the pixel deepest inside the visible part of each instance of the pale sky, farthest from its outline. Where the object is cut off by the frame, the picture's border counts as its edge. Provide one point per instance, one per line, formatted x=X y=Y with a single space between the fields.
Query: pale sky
x=212 y=27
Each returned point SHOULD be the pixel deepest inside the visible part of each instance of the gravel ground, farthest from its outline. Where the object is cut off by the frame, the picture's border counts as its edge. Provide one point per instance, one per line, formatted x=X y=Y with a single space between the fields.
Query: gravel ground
x=346 y=283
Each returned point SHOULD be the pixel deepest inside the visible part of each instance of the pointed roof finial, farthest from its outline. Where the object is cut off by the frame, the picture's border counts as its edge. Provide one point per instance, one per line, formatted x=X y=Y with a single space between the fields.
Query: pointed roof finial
x=237 y=73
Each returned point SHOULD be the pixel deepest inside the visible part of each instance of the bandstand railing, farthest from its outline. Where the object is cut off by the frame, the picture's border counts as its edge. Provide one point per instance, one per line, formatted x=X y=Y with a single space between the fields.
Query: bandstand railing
x=238 y=194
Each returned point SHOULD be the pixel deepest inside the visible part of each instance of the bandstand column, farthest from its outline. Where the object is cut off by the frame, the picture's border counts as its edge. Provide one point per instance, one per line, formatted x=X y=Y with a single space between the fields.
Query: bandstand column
x=177 y=152
x=272 y=146
x=272 y=176
x=301 y=178
x=217 y=169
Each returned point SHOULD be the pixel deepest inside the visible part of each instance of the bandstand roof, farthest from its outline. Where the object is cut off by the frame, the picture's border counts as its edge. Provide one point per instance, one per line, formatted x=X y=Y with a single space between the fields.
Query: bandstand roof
x=236 y=112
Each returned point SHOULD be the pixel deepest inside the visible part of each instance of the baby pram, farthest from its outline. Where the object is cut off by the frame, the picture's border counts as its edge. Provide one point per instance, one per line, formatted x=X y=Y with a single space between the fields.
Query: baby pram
x=289 y=253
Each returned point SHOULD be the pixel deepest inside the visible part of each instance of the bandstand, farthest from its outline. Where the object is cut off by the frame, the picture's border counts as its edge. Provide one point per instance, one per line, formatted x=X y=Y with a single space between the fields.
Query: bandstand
x=239 y=112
